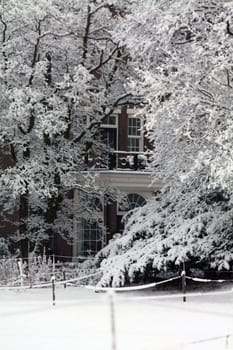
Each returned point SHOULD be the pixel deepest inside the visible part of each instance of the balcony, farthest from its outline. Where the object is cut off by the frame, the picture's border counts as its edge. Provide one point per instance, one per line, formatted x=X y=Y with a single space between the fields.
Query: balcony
x=120 y=160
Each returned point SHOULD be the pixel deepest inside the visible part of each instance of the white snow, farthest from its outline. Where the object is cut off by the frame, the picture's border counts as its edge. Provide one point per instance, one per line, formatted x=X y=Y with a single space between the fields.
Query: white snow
x=81 y=320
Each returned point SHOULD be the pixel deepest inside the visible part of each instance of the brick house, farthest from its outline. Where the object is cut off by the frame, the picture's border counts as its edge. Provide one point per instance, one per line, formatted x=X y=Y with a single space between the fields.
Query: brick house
x=124 y=167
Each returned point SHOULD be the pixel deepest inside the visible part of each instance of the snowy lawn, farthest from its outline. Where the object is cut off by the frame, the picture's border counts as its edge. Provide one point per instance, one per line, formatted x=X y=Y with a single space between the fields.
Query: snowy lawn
x=81 y=320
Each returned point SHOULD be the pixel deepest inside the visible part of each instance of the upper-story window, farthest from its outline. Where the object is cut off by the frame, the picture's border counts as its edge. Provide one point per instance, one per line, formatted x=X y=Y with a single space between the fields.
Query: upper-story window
x=133 y=144
x=134 y=135
x=109 y=135
x=109 y=120
x=134 y=127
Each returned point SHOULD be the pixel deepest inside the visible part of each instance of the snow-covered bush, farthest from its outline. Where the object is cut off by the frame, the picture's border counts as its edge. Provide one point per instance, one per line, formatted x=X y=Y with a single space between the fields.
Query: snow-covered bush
x=191 y=224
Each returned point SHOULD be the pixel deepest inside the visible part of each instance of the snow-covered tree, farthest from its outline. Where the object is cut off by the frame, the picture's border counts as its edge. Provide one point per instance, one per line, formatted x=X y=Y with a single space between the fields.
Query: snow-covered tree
x=184 y=55
x=183 y=50
x=61 y=73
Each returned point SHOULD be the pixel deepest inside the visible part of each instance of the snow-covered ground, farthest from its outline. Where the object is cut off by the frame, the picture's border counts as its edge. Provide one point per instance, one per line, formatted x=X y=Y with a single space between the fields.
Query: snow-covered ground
x=81 y=320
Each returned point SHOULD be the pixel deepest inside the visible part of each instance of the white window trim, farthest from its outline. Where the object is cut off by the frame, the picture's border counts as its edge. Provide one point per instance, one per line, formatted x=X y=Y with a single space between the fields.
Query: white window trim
x=140 y=137
x=111 y=126
x=123 y=212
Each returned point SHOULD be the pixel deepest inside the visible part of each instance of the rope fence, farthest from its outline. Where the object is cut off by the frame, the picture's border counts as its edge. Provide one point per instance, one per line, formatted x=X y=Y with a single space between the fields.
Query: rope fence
x=184 y=345
x=113 y=291
x=53 y=276
x=178 y=295
x=69 y=258
x=60 y=281
x=54 y=283
x=39 y=269
x=43 y=285
x=205 y=340
x=129 y=289
x=205 y=280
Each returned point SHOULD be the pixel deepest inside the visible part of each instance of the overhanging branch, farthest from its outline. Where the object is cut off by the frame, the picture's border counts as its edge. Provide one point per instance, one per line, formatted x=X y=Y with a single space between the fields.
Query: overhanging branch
x=229 y=31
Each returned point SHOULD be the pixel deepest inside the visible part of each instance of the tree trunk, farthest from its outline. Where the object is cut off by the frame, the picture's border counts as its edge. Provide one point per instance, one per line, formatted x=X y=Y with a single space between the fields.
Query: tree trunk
x=23 y=230
x=51 y=215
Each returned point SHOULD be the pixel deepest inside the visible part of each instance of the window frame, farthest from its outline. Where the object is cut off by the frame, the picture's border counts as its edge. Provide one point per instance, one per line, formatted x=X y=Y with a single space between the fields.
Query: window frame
x=136 y=136
x=86 y=229
x=123 y=212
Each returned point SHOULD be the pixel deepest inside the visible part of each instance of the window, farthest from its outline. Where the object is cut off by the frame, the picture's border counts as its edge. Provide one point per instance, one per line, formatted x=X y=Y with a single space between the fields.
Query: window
x=133 y=144
x=134 y=135
x=134 y=127
x=90 y=231
x=109 y=138
x=109 y=120
x=91 y=202
x=95 y=204
x=131 y=201
x=90 y=237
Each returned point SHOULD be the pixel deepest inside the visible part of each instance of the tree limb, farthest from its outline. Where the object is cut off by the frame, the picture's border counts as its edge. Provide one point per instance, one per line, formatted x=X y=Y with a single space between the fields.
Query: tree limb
x=102 y=61
x=3 y=41
x=229 y=29
x=86 y=33
x=95 y=123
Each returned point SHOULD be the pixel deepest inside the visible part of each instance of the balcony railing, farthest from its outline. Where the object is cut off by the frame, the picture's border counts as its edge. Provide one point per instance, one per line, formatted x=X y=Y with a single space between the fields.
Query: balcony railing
x=119 y=160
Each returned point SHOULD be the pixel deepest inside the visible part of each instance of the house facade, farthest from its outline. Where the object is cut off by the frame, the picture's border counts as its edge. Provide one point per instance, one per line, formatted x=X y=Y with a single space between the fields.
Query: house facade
x=123 y=166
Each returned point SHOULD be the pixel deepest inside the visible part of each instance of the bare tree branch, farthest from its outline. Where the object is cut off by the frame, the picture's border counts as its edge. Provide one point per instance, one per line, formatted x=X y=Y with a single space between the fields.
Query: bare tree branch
x=87 y=29
x=102 y=61
x=3 y=41
x=229 y=31
x=96 y=123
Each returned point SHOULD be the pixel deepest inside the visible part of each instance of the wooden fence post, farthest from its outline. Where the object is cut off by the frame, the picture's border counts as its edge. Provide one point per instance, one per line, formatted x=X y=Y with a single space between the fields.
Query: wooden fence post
x=227 y=341
x=20 y=266
x=64 y=277
x=53 y=289
x=183 y=281
x=112 y=318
